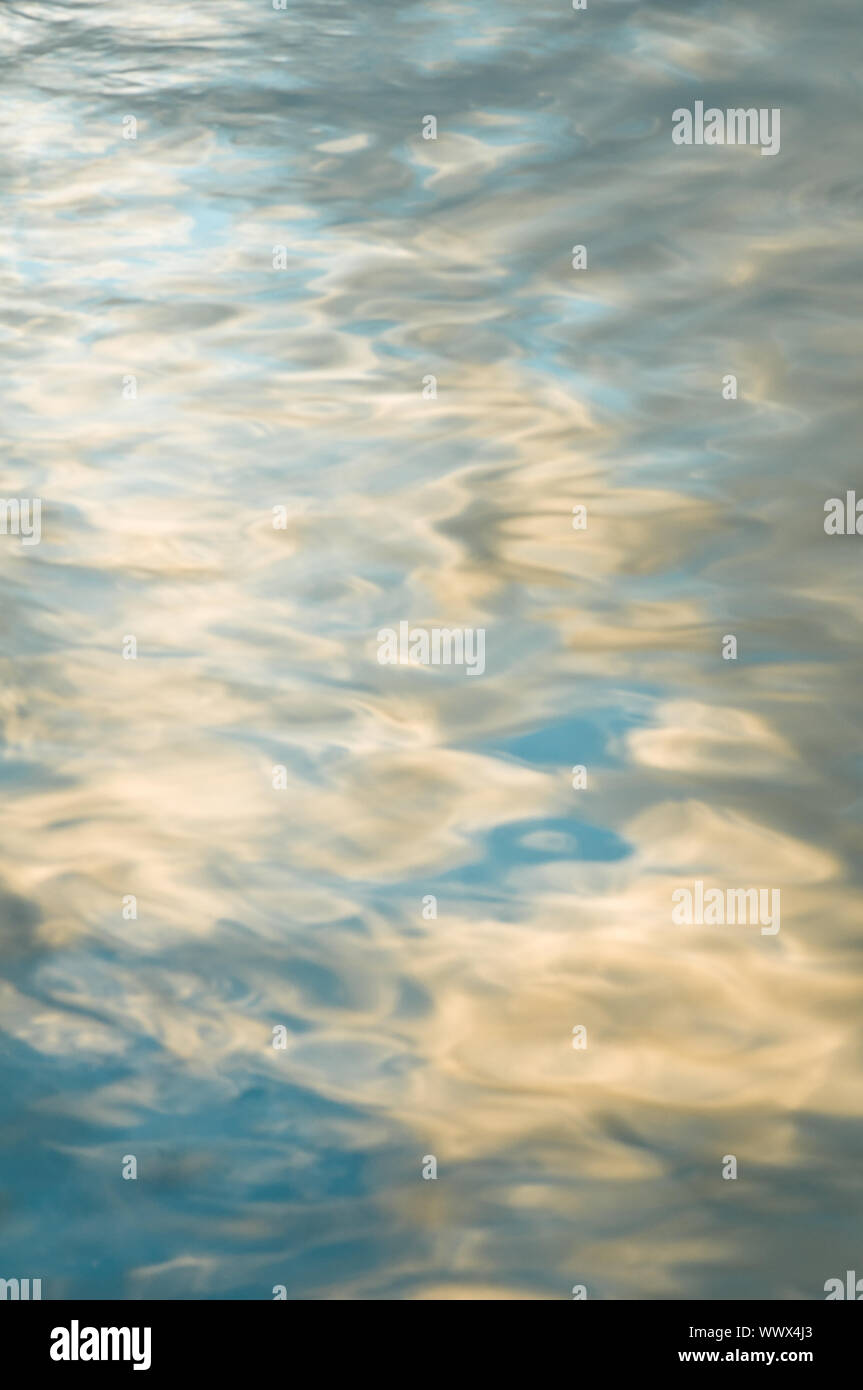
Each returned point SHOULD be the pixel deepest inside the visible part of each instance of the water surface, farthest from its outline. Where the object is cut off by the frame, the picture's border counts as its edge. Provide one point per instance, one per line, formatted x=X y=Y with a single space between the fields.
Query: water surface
x=302 y=387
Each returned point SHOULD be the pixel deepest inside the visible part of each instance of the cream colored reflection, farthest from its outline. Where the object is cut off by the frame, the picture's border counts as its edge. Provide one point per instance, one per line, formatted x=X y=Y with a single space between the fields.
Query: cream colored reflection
x=694 y=738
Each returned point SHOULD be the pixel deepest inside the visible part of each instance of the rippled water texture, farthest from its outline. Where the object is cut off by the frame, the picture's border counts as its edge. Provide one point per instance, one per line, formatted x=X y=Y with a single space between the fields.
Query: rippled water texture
x=302 y=906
